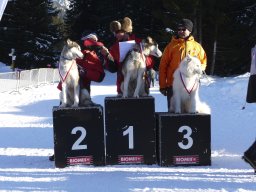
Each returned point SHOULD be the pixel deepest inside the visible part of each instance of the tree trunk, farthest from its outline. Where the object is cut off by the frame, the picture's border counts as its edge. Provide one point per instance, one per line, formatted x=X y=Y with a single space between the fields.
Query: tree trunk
x=214 y=49
x=199 y=15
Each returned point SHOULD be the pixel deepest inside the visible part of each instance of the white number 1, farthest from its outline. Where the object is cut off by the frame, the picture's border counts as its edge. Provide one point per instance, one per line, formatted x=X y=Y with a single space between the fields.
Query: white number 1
x=129 y=131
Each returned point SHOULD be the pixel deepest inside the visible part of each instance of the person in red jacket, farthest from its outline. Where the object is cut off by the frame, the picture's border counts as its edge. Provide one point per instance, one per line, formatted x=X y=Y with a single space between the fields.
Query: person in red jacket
x=123 y=32
x=91 y=66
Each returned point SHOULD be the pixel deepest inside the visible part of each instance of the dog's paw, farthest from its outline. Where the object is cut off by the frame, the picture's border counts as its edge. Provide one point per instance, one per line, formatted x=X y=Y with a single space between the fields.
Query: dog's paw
x=62 y=105
x=75 y=105
x=124 y=95
x=170 y=110
x=192 y=111
x=144 y=95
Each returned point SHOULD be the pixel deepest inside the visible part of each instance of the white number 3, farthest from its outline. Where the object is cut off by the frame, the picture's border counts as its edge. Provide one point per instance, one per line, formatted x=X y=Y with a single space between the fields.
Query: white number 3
x=186 y=136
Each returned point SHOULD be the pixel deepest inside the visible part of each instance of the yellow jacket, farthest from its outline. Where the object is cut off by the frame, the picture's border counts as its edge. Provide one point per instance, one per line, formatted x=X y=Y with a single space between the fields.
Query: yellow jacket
x=174 y=52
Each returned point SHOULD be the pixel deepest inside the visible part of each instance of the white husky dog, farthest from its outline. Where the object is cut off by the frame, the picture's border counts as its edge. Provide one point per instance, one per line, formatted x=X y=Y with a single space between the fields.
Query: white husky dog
x=71 y=94
x=134 y=68
x=185 y=97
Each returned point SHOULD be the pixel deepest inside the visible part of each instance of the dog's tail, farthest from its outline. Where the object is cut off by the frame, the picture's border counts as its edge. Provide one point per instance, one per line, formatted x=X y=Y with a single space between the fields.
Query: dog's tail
x=204 y=108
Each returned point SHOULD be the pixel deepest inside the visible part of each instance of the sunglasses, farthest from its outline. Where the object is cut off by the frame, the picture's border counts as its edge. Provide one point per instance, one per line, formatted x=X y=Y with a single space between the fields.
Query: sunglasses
x=181 y=29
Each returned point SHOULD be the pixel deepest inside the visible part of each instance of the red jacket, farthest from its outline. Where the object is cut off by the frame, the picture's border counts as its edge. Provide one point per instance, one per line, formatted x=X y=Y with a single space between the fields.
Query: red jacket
x=116 y=66
x=93 y=68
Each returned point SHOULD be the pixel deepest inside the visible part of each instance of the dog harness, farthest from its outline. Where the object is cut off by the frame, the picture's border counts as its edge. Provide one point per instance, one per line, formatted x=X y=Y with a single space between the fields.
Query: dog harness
x=142 y=55
x=140 y=50
x=65 y=76
x=188 y=91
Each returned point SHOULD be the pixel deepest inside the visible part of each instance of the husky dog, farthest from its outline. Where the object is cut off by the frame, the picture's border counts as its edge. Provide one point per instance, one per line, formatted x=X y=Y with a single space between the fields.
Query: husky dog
x=71 y=94
x=185 y=97
x=134 y=68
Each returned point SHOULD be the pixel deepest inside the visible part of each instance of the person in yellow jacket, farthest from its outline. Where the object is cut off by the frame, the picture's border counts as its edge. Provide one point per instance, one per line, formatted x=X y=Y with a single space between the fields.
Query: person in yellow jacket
x=180 y=46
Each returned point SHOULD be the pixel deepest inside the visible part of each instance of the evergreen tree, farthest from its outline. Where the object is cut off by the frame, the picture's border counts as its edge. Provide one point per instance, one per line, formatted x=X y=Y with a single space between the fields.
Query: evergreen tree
x=226 y=29
x=168 y=13
x=95 y=16
x=85 y=16
x=244 y=38
x=30 y=32
x=229 y=27
x=75 y=7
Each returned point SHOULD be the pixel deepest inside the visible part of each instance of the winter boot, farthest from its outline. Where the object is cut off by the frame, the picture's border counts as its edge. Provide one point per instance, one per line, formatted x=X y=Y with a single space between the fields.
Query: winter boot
x=250 y=156
x=51 y=158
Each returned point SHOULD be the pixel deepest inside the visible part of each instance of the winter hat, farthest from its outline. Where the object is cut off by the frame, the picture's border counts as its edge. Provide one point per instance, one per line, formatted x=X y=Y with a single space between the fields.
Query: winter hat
x=187 y=24
x=124 y=25
x=90 y=36
x=90 y=42
x=115 y=26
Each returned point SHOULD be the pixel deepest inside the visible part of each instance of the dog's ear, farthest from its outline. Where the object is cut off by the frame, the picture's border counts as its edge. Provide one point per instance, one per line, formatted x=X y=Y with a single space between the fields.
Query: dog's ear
x=150 y=41
x=189 y=58
x=69 y=42
x=190 y=67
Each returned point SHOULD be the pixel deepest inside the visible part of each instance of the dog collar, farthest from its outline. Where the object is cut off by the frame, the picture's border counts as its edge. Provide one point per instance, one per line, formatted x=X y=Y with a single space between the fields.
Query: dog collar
x=136 y=50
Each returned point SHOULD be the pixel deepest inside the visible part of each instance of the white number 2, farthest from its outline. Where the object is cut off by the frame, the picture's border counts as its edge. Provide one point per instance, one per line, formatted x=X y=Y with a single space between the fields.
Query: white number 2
x=186 y=136
x=129 y=131
x=77 y=145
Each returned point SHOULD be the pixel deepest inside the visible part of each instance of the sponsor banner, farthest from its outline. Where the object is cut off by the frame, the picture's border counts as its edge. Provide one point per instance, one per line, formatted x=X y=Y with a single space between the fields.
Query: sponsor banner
x=82 y=160
x=3 y=4
x=185 y=160
x=130 y=159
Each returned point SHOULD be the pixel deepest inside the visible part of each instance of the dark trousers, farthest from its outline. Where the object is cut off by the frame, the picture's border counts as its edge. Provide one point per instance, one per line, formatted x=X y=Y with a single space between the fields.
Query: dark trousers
x=169 y=96
x=251 y=151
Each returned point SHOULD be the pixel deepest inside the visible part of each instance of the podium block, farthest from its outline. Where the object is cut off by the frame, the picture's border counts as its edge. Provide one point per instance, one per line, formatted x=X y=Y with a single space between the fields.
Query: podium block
x=183 y=139
x=79 y=136
x=130 y=128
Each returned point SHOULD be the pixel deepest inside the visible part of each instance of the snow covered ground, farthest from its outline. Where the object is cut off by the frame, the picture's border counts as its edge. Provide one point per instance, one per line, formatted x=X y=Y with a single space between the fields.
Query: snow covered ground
x=4 y=68
x=26 y=141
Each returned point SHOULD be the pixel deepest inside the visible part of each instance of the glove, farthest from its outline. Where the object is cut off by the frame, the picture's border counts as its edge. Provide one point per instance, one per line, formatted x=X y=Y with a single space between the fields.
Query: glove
x=163 y=91
x=82 y=72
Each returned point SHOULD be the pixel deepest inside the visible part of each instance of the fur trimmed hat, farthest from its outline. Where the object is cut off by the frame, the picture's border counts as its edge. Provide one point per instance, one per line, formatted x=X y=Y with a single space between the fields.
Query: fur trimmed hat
x=90 y=36
x=124 y=25
x=115 y=26
x=187 y=24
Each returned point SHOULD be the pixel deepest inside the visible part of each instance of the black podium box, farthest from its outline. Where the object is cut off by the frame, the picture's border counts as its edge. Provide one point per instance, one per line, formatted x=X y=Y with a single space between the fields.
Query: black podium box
x=183 y=139
x=130 y=128
x=79 y=136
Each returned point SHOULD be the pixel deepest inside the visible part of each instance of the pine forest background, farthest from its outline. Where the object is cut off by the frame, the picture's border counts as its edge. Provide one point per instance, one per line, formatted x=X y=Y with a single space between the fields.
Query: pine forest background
x=36 y=29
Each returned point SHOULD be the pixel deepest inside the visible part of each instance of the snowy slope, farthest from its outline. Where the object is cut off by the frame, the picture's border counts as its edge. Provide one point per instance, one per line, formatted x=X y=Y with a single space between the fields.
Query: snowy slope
x=4 y=68
x=26 y=141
